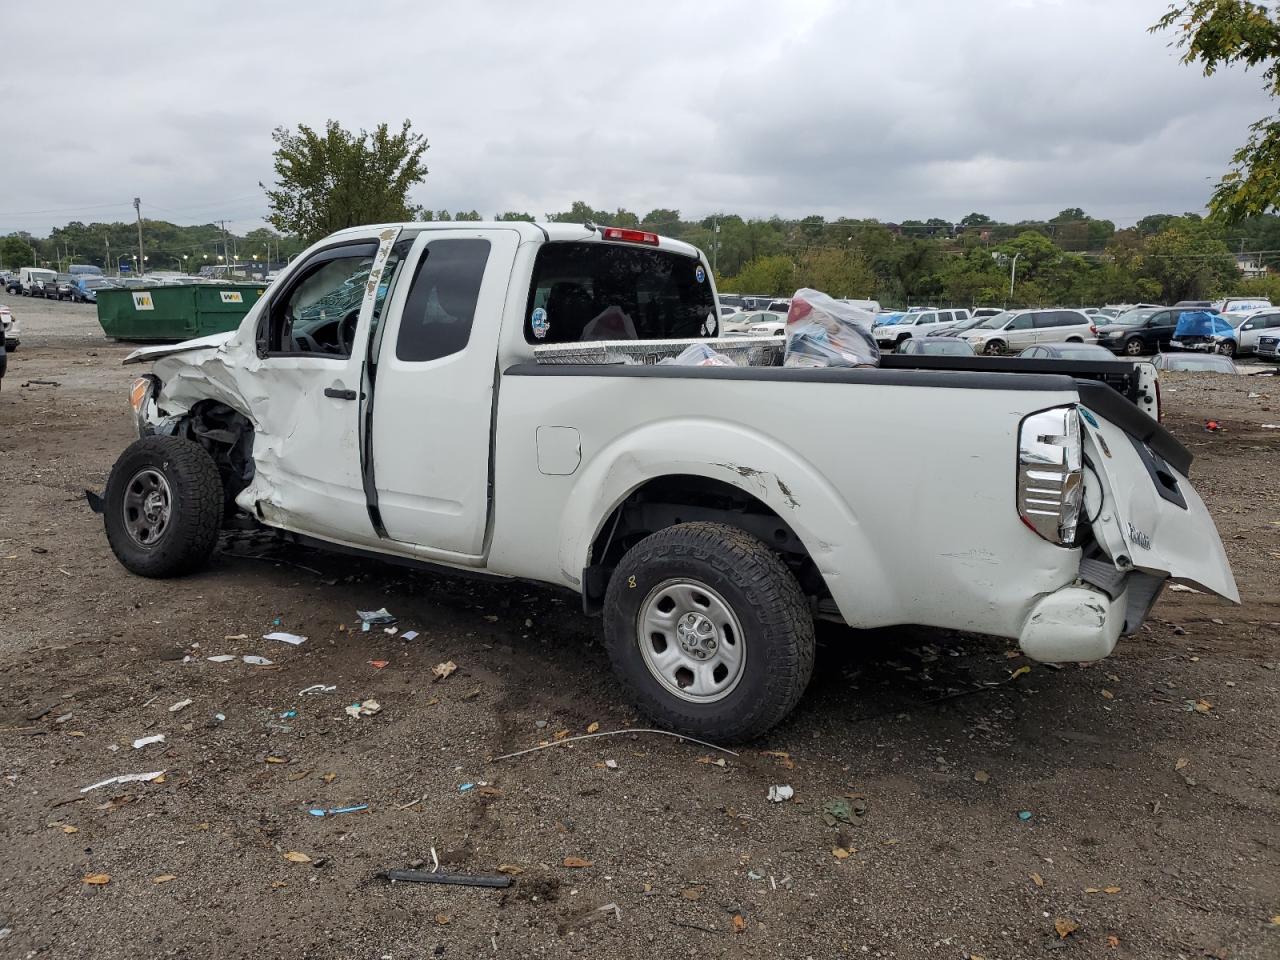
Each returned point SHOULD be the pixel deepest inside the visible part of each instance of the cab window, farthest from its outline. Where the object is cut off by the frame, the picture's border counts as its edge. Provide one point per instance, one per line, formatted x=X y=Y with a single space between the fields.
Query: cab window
x=317 y=314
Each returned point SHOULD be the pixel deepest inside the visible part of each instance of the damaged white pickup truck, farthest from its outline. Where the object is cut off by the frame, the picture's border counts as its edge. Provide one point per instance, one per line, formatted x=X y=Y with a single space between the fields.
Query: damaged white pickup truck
x=402 y=391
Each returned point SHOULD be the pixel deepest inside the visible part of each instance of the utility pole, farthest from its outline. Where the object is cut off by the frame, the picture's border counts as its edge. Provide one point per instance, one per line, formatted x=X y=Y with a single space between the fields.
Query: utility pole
x=715 y=243
x=108 y=240
x=137 y=205
x=1013 y=273
x=226 y=251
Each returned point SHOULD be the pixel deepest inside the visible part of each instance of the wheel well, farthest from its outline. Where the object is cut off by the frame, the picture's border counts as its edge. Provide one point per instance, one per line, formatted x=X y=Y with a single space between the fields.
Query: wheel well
x=227 y=435
x=1074 y=340
x=666 y=501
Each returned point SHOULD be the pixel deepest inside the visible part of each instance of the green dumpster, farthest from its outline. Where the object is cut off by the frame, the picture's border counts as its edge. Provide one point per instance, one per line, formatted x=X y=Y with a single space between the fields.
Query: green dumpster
x=175 y=311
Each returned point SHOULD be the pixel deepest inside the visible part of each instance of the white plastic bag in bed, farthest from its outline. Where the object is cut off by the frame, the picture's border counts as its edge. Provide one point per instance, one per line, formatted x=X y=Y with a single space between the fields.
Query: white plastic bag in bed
x=699 y=355
x=823 y=332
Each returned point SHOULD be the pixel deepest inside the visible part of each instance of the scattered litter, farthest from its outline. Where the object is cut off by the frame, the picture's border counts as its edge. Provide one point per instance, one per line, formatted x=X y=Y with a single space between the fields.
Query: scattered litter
x=616 y=910
x=288 y=715
x=275 y=622
x=712 y=761
x=443 y=670
x=163 y=878
x=221 y=658
x=495 y=880
x=594 y=726
x=1199 y=706
x=1182 y=588
x=293 y=856
x=1271 y=426
x=180 y=705
x=752 y=875
x=1180 y=763
x=981 y=776
x=238 y=636
x=780 y=792
x=1065 y=927
x=782 y=757
x=335 y=811
x=98 y=879
x=257 y=661
x=576 y=863
x=381 y=615
x=1024 y=815
x=611 y=764
x=1211 y=426
x=1019 y=672
x=147 y=741
x=842 y=809
x=1037 y=879
x=378 y=664
x=220 y=717
x=409 y=635
x=391 y=631
x=840 y=853
x=465 y=787
x=125 y=778
x=290 y=638
x=615 y=733
x=317 y=688
x=364 y=627
x=365 y=709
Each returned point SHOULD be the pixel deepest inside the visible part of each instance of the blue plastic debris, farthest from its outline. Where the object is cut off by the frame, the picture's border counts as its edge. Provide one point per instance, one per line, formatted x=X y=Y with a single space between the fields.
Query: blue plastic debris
x=1024 y=815
x=334 y=811
x=409 y=635
x=288 y=714
x=465 y=787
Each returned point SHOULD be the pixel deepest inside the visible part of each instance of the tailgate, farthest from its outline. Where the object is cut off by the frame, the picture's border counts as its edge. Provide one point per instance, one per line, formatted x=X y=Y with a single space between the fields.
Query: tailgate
x=1149 y=513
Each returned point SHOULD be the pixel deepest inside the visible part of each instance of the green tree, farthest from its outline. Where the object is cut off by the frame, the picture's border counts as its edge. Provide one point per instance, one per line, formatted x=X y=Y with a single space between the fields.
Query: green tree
x=768 y=276
x=513 y=215
x=1220 y=33
x=837 y=272
x=975 y=220
x=336 y=179
x=469 y=215
x=15 y=251
x=1188 y=262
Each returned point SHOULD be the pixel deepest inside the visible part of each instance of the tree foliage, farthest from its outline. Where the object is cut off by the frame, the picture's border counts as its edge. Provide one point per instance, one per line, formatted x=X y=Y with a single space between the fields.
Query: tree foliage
x=336 y=179
x=1221 y=33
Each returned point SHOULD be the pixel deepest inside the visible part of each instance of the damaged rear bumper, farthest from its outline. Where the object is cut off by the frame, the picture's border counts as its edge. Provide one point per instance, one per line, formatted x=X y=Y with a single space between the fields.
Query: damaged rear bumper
x=1083 y=621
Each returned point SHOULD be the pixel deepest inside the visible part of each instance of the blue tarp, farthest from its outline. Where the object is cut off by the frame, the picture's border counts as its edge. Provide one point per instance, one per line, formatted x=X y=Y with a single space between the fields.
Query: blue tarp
x=888 y=319
x=1201 y=323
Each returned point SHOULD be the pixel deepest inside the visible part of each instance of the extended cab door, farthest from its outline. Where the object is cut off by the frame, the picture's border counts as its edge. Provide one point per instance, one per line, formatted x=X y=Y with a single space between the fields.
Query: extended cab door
x=310 y=339
x=433 y=391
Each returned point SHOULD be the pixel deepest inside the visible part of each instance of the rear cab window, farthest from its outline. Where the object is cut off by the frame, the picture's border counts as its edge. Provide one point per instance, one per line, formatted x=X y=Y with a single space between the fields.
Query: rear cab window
x=595 y=290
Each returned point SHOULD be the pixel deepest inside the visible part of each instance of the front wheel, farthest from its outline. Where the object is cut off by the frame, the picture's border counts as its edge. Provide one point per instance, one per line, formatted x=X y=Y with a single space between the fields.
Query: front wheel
x=994 y=348
x=1133 y=347
x=709 y=631
x=1227 y=348
x=163 y=507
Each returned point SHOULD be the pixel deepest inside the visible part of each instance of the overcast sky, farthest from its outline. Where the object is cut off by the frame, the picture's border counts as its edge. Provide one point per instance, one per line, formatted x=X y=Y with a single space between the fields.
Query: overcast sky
x=909 y=109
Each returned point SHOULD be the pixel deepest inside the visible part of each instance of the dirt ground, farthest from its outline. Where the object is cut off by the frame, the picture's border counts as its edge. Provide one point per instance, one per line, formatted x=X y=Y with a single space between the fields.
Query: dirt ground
x=1098 y=799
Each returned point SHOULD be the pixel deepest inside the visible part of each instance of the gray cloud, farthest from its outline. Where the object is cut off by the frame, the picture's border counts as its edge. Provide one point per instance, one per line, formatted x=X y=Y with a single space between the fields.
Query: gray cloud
x=919 y=108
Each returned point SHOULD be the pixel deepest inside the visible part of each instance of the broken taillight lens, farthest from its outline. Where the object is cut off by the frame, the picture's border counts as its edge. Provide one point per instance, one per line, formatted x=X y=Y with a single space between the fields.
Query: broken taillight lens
x=1050 y=475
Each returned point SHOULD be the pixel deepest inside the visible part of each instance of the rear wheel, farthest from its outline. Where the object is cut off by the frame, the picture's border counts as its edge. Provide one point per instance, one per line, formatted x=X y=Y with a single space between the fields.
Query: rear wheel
x=709 y=631
x=163 y=507
x=994 y=348
x=1134 y=347
x=1227 y=348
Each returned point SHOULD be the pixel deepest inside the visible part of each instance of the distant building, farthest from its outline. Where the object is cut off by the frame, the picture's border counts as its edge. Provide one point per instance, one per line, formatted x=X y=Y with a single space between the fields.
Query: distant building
x=1250 y=266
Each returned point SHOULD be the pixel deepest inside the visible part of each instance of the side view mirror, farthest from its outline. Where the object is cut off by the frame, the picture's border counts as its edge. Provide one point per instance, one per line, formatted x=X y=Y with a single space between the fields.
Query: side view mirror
x=1247 y=326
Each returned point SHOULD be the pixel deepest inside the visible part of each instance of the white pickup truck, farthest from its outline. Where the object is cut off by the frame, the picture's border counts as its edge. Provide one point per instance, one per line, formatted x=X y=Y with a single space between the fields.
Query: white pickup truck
x=391 y=395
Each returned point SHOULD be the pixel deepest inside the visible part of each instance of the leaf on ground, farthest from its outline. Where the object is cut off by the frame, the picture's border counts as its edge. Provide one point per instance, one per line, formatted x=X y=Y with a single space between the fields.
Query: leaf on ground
x=576 y=863
x=163 y=878
x=68 y=828
x=981 y=776
x=1037 y=880
x=489 y=790
x=442 y=918
x=593 y=727
x=1203 y=706
x=739 y=923
x=1180 y=763
x=1113 y=941
x=511 y=869
x=1065 y=927
x=559 y=734
x=329 y=777
x=783 y=758
x=277 y=760
x=713 y=761
x=691 y=893
x=442 y=671
x=840 y=853
x=1110 y=889
x=1108 y=695
x=98 y=879
x=293 y=856
x=1019 y=672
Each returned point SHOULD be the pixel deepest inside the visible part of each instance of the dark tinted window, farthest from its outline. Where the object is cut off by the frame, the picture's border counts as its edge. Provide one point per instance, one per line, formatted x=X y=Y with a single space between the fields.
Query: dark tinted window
x=442 y=300
x=608 y=291
x=1022 y=322
x=1048 y=319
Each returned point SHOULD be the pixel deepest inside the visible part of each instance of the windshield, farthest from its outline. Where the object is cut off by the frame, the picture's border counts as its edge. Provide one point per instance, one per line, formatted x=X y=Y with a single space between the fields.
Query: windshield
x=1215 y=364
x=1082 y=351
x=996 y=322
x=942 y=347
x=613 y=291
x=969 y=324
x=96 y=284
x=1134 y=318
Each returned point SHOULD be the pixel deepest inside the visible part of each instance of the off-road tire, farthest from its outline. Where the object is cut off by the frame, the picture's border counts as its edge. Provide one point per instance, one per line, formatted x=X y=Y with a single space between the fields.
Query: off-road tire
x=195 y=510
x=775 y=619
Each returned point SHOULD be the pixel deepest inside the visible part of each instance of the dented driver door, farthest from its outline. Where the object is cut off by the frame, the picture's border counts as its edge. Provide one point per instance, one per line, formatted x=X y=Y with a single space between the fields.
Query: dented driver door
x=433 y=391
x=311 y=341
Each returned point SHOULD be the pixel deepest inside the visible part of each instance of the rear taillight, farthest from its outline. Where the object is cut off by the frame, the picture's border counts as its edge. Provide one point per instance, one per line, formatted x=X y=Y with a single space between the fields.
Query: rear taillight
x=630 y=236
x=1050 y=478
x=1093 y=329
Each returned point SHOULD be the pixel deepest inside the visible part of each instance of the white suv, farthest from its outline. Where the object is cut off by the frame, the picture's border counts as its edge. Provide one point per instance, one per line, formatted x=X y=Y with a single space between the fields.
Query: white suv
x=922 y=323
x=1014 y=330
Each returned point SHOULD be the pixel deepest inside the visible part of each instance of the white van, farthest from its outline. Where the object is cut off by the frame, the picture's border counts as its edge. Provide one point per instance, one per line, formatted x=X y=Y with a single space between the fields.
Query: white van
x=27 y=276
x=1241 y=304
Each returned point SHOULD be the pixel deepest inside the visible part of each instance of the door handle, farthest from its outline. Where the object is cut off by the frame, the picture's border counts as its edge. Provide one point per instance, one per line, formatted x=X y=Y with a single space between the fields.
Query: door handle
x=338 y=394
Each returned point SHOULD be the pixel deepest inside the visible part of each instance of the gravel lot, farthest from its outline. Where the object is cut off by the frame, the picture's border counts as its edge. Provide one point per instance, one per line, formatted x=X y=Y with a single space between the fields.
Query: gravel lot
x=1151 y=830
